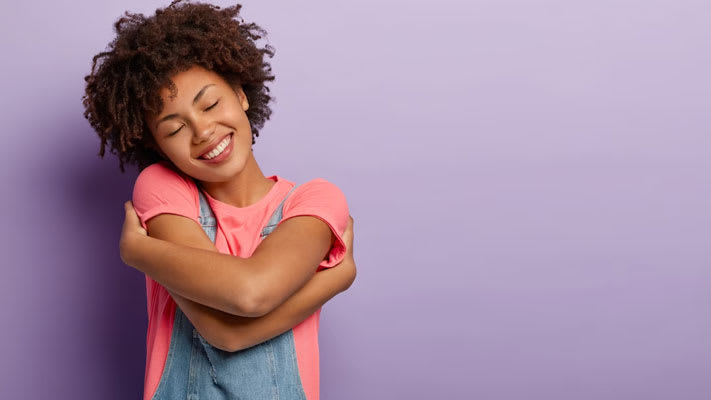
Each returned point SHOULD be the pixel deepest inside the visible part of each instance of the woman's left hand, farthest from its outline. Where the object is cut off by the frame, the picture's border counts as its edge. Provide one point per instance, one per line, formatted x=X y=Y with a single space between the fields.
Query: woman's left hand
x=131 y=231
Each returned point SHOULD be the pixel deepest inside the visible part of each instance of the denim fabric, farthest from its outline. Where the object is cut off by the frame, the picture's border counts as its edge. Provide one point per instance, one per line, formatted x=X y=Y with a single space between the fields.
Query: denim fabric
x=195 y=370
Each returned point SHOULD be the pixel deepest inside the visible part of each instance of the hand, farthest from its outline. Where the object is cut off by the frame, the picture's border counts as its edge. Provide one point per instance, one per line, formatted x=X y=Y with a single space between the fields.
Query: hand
x=131 y=229
x=348 y=238
x=346 y=268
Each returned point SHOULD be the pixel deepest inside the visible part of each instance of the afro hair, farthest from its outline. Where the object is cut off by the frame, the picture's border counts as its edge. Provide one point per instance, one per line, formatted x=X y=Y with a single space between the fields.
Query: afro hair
x=125 y=80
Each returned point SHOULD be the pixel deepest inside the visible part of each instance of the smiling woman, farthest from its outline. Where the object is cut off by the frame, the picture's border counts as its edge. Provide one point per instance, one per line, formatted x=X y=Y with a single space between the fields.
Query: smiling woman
x=237 y=263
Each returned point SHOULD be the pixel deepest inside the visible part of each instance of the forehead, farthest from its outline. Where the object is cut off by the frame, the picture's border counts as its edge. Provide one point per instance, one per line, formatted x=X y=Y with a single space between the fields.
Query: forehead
x=188 y=83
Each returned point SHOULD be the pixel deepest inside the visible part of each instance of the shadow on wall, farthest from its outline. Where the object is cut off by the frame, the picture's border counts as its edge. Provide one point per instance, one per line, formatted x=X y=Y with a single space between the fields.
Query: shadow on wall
x=111 y=294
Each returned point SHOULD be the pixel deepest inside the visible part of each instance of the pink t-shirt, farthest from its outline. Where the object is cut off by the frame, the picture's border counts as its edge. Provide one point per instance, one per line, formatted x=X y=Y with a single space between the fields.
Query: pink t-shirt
x=161 y=189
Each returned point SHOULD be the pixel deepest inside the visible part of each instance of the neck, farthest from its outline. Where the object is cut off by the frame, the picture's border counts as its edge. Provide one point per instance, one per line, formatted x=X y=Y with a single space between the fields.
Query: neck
x=245 y=189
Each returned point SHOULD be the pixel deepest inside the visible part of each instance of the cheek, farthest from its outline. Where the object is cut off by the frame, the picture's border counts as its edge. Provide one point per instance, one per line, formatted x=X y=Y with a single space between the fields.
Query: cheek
x=244 y=136
x=175 y=151
x=245 y=129
x=234 y=113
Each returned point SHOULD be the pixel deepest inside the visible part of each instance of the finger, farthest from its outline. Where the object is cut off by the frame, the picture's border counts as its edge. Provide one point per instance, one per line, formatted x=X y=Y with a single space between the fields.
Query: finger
x=128 y=206
x=348 y=236
x=131 y=220
x=131 y=212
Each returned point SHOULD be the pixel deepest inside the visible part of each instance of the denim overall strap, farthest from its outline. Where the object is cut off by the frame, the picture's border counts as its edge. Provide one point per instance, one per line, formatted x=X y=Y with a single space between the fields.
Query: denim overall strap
x=276 y=216
x=195 y=370
x=207 y=218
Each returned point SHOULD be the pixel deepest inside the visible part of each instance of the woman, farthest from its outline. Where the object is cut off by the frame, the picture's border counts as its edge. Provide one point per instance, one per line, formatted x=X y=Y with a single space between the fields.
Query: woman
x=182 y=95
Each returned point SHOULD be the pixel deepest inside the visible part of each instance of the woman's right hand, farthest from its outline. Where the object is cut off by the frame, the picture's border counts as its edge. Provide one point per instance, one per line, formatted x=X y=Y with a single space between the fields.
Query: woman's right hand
x=132 y=230
x=348 y=237
x=347 y=268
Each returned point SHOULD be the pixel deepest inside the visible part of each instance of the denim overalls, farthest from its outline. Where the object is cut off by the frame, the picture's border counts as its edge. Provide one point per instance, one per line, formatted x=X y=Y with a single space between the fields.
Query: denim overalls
x=195 y=370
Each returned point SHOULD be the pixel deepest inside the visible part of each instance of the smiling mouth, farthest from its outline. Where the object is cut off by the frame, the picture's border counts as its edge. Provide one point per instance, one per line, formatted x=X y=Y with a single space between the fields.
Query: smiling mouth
x=217 y=150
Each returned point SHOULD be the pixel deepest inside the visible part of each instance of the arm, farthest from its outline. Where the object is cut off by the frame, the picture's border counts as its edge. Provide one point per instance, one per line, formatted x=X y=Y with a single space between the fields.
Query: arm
x=250 y=287
x=232 y=333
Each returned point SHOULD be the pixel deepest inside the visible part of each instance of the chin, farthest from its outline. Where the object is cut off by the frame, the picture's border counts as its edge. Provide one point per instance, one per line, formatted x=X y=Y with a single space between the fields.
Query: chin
x=228 y=172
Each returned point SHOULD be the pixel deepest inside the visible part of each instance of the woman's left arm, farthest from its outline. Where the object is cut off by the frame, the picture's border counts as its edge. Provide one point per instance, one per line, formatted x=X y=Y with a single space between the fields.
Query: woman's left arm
x=251 y=287
x=232 y=333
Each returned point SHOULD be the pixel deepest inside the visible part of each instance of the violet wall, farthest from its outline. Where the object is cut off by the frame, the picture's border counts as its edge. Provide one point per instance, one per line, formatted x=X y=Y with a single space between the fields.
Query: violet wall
x=529 y=180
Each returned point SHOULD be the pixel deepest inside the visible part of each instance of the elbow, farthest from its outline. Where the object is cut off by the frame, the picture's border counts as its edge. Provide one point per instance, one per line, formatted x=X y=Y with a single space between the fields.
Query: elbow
x=221 y=342
x=255 y=308
x=221 y=345
x=223 y=337
x=253 y=303
x=350 y=278
x=230 y=345
x=253 y=296
x=234 y=346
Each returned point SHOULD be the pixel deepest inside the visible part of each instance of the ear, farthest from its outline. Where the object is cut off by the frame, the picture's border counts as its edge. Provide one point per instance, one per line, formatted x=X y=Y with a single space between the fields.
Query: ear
x=242 y=97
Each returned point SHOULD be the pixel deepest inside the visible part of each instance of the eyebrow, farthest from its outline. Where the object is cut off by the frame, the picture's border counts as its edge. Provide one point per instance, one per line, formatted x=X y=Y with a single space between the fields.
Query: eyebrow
x=195 y=100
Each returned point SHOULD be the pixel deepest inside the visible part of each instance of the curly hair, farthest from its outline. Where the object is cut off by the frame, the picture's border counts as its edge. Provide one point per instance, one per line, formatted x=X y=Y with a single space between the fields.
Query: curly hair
x=148 y=51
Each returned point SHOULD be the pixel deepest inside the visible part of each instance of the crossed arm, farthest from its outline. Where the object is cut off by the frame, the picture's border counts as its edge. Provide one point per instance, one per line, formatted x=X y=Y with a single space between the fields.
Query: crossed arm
x=233 y=302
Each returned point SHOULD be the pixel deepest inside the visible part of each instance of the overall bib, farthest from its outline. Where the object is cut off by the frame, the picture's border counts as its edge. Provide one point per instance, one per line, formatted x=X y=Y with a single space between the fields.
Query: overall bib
x=195 y=370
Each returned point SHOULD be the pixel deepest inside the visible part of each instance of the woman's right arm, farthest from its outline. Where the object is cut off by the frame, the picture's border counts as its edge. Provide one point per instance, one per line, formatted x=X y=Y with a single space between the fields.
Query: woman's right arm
x=231 y=332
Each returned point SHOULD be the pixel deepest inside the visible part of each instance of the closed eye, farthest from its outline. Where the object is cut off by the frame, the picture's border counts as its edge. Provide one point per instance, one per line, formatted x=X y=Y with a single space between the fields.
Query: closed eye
x=207 y=109
x=212 y=105
x=173 y=133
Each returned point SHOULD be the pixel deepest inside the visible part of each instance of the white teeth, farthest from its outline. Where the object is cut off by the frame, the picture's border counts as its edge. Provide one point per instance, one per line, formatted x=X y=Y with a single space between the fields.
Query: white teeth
x=218 y=150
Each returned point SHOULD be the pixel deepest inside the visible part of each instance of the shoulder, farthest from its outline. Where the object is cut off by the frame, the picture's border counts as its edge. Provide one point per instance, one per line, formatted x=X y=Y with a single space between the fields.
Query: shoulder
x=161 y=172
x=318 y=185
x=161 y=176
x=324 y=200
x=317 y=196
x=318 y=189
x=160 y=183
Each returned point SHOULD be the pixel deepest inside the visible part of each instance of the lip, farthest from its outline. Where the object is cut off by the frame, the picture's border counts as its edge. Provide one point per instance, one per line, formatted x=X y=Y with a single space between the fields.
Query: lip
x=226 y=153
x=212 y=146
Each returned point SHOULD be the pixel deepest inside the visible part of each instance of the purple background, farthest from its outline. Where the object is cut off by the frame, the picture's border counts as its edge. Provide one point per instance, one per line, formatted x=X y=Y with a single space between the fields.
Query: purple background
x=530 y=185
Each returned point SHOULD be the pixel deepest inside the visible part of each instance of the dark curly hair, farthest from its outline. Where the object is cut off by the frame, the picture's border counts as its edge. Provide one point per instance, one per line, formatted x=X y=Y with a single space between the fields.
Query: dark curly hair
x=147 y=52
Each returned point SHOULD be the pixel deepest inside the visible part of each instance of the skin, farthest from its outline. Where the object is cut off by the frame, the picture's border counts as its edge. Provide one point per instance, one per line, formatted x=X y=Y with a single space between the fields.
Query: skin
x=233 y=302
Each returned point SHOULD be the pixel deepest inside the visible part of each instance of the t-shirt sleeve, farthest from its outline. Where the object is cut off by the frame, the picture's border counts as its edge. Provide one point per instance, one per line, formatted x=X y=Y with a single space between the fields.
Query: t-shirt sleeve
x=325 y=201
x=161 y=190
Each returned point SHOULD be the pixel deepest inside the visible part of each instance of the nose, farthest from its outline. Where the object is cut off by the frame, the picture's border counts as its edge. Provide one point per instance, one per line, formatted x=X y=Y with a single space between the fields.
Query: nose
x=203 y=131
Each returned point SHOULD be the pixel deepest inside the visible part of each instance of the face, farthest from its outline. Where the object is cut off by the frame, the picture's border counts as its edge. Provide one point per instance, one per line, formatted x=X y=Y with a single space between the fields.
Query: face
x=204 y=130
